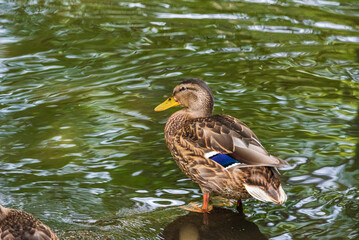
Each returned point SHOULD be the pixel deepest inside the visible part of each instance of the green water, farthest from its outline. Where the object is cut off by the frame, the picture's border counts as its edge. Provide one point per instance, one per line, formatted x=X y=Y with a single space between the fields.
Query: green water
x=82 y=149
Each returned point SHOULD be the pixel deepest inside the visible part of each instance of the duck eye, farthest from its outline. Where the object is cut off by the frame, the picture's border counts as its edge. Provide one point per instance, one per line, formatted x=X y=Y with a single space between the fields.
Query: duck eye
x=182 y=89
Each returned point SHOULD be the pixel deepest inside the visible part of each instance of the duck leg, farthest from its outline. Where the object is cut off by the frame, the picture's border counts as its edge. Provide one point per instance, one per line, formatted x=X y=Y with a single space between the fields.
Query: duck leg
x=206 y=197
x=195 y=208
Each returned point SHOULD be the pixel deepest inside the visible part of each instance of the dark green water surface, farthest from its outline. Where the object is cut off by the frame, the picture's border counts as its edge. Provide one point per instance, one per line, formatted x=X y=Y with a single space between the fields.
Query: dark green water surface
x=82 y=149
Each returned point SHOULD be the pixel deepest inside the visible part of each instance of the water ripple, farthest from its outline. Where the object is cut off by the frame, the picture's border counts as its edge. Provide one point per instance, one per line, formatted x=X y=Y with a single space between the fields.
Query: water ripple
x=154 y=203
x=203 y=16
x=79 y=81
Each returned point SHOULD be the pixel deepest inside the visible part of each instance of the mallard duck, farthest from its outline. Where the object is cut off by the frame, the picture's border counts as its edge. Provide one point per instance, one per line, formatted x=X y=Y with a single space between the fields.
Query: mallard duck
x=218 y=152
x=19 y=225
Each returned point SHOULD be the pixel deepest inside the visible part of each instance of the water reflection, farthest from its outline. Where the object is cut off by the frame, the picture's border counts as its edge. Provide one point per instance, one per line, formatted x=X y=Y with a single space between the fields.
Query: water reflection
x=222 y=224
x=78 y=135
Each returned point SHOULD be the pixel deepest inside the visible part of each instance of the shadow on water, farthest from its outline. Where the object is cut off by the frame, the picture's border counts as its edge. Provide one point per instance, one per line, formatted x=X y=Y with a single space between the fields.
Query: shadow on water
x=222 y=224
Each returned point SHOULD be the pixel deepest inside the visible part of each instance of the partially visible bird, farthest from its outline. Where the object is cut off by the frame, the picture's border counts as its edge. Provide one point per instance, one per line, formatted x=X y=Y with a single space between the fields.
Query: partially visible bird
x=218 y=152
x=20 y=225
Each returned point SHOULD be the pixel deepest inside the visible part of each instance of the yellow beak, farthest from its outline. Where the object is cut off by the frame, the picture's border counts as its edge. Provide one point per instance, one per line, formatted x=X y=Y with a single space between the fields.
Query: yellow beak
x=170 y=102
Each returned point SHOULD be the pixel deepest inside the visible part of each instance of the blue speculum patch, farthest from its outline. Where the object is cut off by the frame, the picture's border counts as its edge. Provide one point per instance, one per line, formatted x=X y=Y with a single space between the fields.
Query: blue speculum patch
x=224 y=159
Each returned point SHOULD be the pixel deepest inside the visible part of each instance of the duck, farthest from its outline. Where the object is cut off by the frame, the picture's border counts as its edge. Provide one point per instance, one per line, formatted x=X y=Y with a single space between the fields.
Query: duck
x=218 y=152
x=19 y=225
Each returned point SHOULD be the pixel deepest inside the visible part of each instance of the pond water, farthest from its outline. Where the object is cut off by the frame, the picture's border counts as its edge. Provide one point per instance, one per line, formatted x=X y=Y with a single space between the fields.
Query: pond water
x=82 y=149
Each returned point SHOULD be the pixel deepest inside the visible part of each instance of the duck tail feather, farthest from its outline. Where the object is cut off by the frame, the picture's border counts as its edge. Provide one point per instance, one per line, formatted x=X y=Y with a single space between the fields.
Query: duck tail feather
x=267 y=195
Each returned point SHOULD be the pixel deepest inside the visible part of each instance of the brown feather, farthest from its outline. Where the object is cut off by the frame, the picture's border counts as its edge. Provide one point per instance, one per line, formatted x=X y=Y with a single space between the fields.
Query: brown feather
x=19 y=225
x=217 y=139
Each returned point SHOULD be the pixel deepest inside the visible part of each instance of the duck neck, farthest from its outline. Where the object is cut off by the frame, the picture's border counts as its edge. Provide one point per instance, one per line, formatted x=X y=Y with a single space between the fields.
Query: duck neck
x=175 y=122
x=178 y=119
x=200 y=112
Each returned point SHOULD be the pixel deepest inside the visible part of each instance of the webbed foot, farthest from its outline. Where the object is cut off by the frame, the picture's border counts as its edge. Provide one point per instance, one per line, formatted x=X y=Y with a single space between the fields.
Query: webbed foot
x=193 y=207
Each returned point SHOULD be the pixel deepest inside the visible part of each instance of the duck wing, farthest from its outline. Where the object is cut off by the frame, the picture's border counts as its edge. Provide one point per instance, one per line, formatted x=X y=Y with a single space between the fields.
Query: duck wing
x=229 y=140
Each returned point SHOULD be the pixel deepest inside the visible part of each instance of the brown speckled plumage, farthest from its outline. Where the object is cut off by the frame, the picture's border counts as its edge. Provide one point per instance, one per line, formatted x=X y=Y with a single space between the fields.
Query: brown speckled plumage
x=19 y=225
x=193 y=132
